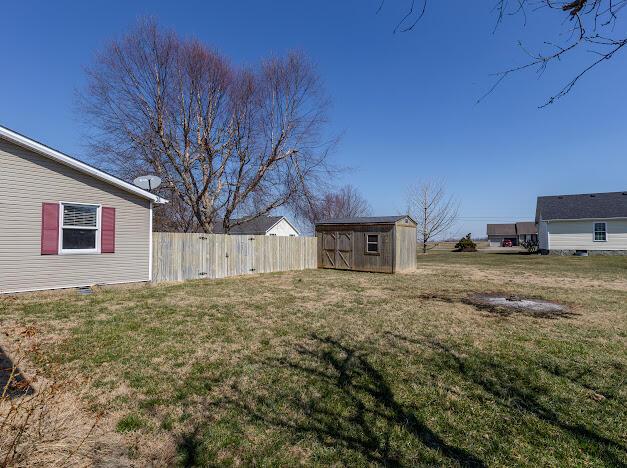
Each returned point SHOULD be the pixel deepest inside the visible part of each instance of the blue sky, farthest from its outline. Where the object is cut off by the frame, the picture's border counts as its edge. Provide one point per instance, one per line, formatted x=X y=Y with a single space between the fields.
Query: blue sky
x=403 y=103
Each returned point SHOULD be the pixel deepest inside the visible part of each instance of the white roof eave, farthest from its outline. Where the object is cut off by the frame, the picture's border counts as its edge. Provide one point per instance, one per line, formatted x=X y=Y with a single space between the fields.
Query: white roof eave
x=80 y=166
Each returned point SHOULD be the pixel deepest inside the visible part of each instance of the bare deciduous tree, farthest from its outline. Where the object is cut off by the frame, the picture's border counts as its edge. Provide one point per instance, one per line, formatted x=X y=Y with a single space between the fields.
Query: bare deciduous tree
x=345 y=202
x=591 y=26
x=227 y=142
x=434 y=211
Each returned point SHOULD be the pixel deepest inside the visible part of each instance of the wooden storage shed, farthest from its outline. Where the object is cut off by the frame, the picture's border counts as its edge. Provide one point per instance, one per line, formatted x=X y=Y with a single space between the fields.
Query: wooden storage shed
x=384 y=244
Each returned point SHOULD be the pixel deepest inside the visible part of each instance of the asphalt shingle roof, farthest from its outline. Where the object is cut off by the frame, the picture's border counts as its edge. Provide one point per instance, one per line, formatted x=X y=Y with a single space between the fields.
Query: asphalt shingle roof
x=502 y=229
x=365 y=220
x=257 y=226
x=526 y=227
x=582 y=206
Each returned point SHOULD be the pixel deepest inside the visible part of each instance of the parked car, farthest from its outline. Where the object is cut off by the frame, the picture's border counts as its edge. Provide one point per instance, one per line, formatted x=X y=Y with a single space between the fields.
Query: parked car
x=507 y=243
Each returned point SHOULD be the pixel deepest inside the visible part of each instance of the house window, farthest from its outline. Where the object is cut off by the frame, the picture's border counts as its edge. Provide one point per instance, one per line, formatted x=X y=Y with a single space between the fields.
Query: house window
x=79 y=228
x=372 y=243
x=600 y=232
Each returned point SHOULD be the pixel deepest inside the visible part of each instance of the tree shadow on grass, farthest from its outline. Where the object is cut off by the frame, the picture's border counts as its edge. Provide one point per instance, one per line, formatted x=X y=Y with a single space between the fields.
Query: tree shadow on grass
x=13 y=384
x=354 y=407
x=517 y=390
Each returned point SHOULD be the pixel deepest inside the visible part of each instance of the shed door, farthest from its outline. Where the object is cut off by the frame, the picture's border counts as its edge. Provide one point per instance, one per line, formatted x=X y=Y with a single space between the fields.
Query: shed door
x=337 y=250
x=328 y=249
x=344 y=250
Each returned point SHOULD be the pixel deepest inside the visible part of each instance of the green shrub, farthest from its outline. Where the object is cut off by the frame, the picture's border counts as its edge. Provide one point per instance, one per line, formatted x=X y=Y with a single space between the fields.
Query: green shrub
x=466 y=244
x=531 y=245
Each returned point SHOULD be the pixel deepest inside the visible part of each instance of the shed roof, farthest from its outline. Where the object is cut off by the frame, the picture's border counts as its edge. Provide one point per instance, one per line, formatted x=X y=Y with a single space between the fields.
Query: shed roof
x=257 y=226
x=526 y=227
x=43 y=150
x=582 y=206
x=366 y=220
x=508 y=229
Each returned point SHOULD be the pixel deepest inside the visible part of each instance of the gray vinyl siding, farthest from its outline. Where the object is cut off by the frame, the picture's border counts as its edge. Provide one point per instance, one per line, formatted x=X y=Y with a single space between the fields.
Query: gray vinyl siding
x=28 y=179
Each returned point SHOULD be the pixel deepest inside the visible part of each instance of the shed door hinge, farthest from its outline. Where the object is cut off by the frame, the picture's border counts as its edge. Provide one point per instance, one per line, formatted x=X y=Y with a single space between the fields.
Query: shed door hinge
x=202 y=273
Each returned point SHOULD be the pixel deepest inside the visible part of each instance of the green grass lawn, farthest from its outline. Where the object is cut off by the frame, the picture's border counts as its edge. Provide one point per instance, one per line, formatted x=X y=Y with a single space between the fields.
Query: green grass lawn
x=329 y=367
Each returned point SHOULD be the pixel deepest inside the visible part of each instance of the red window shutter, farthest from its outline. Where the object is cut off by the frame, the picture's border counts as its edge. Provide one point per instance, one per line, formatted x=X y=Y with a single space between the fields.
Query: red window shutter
x=49 y=228
x=107 y=229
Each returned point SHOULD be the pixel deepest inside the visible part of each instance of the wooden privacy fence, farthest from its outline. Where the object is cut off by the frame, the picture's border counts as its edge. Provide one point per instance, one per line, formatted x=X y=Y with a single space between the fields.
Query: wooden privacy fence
x=178 y=256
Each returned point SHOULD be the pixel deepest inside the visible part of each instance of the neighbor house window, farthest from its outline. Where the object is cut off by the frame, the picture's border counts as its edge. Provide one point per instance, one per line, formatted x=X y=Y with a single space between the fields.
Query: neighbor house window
x=79 y=228
x=600 y=232
x=372 y=243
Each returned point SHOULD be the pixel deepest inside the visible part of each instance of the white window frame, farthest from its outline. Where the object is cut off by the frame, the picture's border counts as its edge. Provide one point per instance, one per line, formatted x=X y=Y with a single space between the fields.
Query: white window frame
x=594 y=239
x=96 y=250
x=370 y=252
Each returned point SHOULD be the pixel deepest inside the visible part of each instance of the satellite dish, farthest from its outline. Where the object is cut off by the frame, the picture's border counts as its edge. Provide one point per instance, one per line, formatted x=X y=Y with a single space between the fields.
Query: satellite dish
x=148 y=182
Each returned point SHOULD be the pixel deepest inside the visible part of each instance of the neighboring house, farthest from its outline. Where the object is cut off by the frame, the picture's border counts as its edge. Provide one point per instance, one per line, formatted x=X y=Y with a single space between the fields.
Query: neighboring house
x=526 y=231
x=260 y=226
x=497 y=233
x=65 y=224
x=516 y=232
x=595 y=223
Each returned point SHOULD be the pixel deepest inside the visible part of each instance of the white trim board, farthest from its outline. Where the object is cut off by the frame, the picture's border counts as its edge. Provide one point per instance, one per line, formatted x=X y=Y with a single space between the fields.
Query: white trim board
x=80 y=166
x=150 y=247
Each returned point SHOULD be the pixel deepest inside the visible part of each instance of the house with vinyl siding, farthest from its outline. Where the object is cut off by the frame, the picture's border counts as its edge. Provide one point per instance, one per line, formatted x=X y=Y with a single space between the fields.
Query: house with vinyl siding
x=260 y=226
x=66 y=224
x=517 y=233
x=591 y=223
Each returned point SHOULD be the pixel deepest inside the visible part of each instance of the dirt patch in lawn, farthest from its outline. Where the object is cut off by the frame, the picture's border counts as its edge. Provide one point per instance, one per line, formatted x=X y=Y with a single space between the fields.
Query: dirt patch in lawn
x=506 y=304
x=509 y=304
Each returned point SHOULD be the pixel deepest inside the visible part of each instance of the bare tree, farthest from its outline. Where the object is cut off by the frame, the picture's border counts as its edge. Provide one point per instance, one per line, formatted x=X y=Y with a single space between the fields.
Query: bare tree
x=592 y=26
x=346 y=202
x=228 y=143
x=433 y=210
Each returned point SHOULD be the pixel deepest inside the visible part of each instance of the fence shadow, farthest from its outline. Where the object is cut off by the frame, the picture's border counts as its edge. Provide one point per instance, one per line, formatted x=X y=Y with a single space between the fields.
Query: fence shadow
x=13 y=384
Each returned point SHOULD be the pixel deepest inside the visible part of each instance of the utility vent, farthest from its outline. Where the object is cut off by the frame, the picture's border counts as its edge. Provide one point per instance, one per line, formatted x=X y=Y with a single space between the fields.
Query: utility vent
x=85 y=291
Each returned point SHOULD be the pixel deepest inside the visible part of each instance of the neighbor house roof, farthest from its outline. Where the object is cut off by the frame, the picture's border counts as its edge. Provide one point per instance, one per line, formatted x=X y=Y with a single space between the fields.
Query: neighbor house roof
x=257 y=226
x=582 y=206
x=366 y=220
x=74 y=163
x=502 y=229
x=526 y=227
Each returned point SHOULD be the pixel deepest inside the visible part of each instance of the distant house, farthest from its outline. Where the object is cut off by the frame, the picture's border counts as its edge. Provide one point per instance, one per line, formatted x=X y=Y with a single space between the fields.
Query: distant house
x=594 y=223
x=65 y=224
x=526 y=231
x=515 y=232
x=260 y=226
